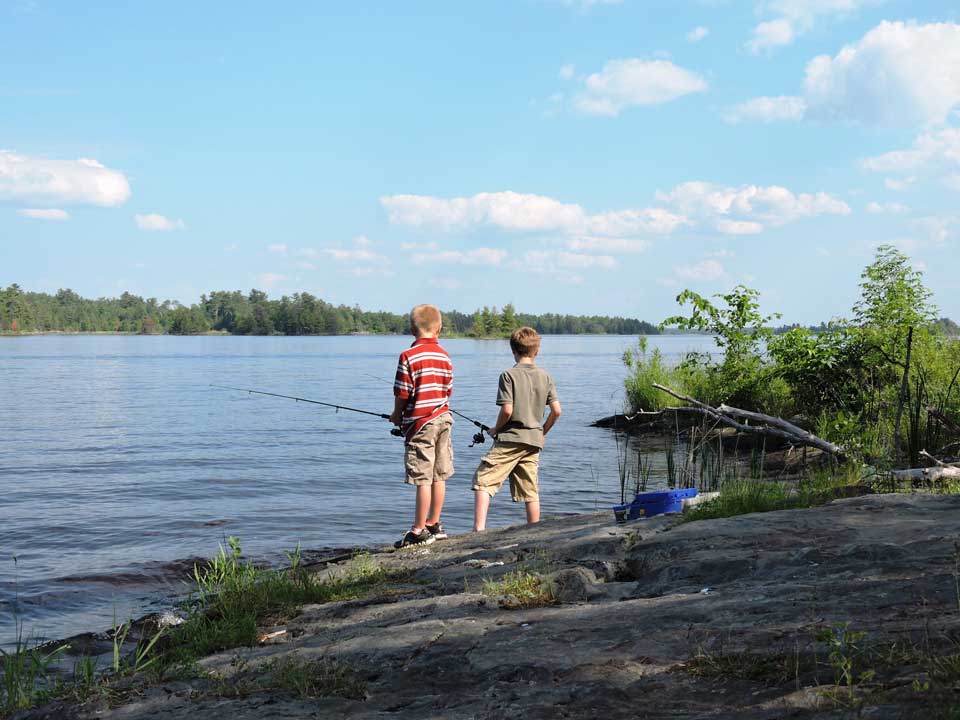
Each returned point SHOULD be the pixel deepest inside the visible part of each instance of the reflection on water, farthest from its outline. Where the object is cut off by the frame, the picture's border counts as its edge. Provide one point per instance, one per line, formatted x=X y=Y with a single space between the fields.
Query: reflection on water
x=118 y=459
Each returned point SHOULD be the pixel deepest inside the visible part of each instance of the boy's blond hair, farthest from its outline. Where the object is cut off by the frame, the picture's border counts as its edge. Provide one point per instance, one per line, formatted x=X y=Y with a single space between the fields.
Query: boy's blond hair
x=525 y=341
x=425 y=319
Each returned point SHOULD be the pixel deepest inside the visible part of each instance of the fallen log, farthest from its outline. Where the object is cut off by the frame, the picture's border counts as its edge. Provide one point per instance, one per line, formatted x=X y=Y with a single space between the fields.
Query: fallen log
x=932 y=474
x=771 y=426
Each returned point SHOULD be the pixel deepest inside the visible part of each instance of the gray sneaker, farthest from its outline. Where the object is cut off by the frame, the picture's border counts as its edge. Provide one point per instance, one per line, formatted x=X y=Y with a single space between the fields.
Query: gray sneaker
x=411 y=538
x=437 y=531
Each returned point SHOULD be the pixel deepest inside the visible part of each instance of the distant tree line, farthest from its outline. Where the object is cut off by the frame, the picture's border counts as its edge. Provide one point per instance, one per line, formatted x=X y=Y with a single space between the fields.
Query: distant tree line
x=255 y=313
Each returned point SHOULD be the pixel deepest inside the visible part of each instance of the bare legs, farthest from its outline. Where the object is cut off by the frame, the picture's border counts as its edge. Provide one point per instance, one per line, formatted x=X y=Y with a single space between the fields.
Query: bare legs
x=481 y=504
x=429 y=504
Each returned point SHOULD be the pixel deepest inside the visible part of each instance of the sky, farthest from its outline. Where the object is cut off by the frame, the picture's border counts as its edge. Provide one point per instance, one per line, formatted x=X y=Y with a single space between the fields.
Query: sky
x=572 y=156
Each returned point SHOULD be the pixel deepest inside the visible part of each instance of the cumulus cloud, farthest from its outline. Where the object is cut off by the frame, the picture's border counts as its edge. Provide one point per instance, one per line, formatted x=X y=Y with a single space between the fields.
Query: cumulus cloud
x=698 y=34
x=157 y=222
x=795 y=17
x=891 y=208
x=44 y=213
x=607 y=244
x=935 y=154
x=63 y=182
x=634 y=82
x=748 y=209
x=703 y=271
x=897 y=74
x=567 y=71
x=768 y=109
x=898 y=185
x=519 y=212
x=278 y=248
x=477 y=256
x=552 y=260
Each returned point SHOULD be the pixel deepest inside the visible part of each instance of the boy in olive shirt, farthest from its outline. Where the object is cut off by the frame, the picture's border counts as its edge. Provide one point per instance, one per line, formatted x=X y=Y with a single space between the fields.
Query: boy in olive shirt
x=525 y=390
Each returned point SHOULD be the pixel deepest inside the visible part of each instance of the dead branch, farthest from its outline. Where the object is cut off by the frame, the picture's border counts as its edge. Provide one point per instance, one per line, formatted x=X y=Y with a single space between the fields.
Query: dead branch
x=771 y=426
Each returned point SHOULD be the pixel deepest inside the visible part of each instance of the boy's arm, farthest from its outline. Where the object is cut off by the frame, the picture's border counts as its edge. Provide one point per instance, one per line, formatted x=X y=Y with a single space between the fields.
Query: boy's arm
x=506 y=412
x=555 y=412
x=399 y=404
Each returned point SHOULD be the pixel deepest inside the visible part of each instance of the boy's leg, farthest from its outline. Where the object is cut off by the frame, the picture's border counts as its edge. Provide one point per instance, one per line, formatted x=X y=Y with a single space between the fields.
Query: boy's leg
x=438 y=491
x=495 y=467
x=422 y=508
x=481 y=504
x=442 y=467
x=418 y=461
x=524 y=484
x=533 y=511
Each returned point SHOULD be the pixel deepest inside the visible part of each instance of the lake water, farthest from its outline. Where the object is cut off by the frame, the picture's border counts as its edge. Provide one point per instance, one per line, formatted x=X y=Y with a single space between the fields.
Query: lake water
x=117 y=460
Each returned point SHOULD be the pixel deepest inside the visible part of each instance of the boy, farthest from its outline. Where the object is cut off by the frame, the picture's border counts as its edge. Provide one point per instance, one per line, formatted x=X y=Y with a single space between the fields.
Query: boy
x=525 y=390
x=421 y=408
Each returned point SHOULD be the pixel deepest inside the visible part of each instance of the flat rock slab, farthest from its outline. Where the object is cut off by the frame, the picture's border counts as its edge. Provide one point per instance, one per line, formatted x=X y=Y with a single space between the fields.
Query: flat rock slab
x=653 y=619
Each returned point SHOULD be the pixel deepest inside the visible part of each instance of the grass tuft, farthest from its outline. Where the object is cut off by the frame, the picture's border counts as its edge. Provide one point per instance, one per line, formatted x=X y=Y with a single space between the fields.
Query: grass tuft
x=519 y=589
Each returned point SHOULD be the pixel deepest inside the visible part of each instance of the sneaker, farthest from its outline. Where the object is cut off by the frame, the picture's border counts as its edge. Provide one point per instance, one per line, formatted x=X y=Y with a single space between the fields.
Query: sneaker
x=437 y=531
x=411 y=538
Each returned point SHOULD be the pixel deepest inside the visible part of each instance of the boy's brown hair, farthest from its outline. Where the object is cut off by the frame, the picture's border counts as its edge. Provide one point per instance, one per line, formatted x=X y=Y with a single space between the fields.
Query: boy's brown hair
x=525 y=341
x=425 y=319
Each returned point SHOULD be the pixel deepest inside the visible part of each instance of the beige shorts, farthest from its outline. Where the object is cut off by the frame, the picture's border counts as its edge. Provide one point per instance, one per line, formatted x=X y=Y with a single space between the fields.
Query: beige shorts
x=516 y=461
x=428 y=455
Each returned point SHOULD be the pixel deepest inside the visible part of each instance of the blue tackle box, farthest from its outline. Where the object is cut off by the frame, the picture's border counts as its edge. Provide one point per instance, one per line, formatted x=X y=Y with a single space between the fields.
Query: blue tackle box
x=646 y=505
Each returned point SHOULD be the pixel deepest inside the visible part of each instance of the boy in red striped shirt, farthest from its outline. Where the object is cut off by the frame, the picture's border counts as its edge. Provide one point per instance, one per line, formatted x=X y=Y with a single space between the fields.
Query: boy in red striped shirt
x=421 y=408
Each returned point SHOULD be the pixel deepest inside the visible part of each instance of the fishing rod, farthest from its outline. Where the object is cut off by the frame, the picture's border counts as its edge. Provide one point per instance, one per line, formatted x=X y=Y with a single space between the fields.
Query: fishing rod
x=395 y=431
x=478 y=438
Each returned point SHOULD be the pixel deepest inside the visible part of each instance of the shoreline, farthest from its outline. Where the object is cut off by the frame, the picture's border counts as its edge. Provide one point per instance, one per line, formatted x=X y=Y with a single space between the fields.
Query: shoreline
x=727 y=618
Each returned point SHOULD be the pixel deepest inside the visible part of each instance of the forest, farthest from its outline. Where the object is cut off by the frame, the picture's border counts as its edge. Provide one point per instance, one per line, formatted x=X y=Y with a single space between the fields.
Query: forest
x=254 y=313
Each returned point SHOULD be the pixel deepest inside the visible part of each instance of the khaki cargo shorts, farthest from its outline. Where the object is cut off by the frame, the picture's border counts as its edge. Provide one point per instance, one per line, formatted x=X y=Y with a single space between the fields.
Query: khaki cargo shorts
x=516 y=461
x=428 y=455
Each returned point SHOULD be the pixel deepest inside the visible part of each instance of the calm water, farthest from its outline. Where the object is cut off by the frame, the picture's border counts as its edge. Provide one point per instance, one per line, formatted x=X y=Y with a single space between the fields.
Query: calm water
x=117 y=459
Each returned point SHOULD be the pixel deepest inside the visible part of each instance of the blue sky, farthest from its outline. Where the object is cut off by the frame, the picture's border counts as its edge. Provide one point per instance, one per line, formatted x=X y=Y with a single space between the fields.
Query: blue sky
x=582 y=156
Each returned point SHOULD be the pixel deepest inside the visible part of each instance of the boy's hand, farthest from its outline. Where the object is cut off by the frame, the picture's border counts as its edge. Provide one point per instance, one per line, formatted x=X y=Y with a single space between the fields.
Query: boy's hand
x=395 y=417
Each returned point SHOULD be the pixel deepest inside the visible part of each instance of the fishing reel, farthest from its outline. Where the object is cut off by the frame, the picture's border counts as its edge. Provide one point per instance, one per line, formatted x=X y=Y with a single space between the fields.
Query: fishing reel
x=396 y=432
x=479 y=438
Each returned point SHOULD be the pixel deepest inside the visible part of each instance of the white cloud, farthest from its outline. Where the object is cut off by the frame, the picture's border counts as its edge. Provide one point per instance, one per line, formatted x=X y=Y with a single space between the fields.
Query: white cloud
x=478 y=256
x=154 y=221
x=278 y=248
x=936 y=154
x=899 y=73
x=634 y=82
x=891 y=208
x=567 y=71
x=698 y=34
x=770 y=34
x=703 y=271
x=953 y=182
x=767 y=109
x=513 y=211
x=749 y=208
x=606 y=244
x=795 y=17
x=44 y=213
x=898 y=185
x=723 y=254
x=739 y=227
x=66 y=182
x=552 y=260
x=419 y=246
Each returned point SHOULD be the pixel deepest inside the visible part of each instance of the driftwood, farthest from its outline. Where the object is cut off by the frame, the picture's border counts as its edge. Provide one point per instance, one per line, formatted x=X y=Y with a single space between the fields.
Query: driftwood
x=940 y=471
x=769 y=425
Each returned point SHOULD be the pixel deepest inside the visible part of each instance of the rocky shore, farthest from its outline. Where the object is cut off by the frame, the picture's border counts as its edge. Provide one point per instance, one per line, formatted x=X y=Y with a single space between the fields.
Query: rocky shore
x=847 y=610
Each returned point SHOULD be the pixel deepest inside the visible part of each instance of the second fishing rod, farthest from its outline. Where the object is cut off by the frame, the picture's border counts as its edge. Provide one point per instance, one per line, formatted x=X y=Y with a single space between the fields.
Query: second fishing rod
x=396 y=432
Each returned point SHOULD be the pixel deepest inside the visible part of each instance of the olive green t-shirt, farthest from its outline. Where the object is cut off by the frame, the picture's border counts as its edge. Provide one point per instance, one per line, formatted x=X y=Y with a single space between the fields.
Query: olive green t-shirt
x=529 y=389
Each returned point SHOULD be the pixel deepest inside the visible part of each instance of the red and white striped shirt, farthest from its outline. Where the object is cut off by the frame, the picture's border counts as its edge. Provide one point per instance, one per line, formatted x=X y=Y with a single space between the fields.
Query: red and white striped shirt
x=425 y=380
